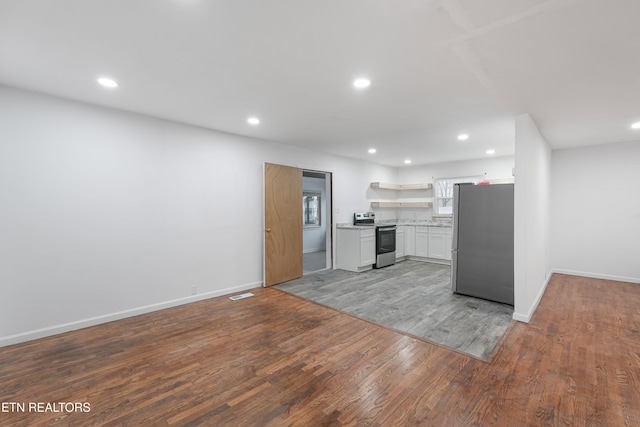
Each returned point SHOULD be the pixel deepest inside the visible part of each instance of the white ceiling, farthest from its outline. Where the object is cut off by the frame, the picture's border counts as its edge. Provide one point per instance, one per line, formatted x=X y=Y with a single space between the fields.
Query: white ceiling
x=438 y=68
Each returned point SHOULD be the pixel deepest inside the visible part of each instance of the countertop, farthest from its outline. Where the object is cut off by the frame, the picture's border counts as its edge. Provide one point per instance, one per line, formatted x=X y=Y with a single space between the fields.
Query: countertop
x=349 y=226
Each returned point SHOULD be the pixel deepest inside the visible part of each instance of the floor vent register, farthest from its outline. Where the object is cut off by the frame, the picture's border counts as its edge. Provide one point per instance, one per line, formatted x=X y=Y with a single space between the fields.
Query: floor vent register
x=241 y=296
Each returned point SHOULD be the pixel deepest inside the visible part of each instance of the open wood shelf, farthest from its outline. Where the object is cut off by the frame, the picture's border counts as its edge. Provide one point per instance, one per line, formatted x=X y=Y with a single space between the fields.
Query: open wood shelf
x=382 y=185
x=401 y=204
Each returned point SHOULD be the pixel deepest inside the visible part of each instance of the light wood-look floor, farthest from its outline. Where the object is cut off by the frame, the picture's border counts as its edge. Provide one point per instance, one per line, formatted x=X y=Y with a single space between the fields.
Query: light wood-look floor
x=314 y=261
x=276 y=359
x=412 y=297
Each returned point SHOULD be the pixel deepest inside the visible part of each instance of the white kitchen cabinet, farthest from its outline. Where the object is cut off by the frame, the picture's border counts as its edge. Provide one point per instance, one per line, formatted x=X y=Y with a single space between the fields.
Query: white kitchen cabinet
x=400 y=241
x=427 y=243
x=422 y=241
x=440 y=243
x=409 y=240
x=356 y=248
x=367 y=247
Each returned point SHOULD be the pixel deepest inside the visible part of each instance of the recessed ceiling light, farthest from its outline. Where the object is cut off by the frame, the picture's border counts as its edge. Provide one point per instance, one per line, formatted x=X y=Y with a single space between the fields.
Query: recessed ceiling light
x=636 y=125
x=106 y=82
x=491 y=151
x=372 y=150
x=253 y=121
x=463 y=137
x=408 y=161
x=361 y=83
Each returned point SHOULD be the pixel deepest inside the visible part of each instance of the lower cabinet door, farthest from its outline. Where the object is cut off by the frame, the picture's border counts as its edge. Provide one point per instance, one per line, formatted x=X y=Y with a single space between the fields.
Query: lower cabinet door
x=367 y=250
x=422 y=242
x=399 y=243
x=409 y=240
x=440 y=244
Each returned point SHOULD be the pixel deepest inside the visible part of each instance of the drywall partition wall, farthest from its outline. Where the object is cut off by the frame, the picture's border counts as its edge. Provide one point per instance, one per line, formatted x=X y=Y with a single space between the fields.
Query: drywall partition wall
x=106 y=214
x=491 y=168
x=596 y=211
x=532 y=217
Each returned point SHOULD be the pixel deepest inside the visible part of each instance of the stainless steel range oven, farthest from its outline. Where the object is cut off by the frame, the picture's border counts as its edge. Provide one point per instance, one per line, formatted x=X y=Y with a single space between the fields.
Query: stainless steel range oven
x=385 y=238
x=385 y=245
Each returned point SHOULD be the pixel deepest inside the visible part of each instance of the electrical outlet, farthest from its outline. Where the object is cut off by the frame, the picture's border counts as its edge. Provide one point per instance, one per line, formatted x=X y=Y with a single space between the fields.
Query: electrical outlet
x=194 y=289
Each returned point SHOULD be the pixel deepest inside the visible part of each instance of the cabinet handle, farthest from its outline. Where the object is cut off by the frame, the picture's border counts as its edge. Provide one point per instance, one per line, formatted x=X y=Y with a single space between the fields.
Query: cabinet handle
x=267 y=230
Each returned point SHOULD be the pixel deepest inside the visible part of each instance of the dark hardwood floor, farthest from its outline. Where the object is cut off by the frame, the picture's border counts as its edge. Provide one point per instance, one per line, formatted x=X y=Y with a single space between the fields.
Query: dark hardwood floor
x=276 y=359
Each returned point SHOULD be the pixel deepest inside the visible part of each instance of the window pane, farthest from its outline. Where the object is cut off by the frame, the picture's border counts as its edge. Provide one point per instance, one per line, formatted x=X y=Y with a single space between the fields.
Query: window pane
x=444 y=206
x=444 y=193
x=311 y=209
x=444 y=188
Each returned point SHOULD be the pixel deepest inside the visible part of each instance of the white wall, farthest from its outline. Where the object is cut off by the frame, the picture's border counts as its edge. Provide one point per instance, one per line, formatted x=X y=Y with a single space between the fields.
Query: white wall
x=532 y=217
x=315 y=238
x=107 y=214
x=596 y=211
x=490 y=168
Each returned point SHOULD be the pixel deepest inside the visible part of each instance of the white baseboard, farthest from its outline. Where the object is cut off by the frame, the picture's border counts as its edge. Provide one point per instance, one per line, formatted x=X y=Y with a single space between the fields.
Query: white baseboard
x=84 y=323
x=597 y=275
x=526 y=318
x=308 y=251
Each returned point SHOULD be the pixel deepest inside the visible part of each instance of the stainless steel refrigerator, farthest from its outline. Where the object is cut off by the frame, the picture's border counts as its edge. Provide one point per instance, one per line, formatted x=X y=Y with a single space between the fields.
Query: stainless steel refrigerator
x=482 y=254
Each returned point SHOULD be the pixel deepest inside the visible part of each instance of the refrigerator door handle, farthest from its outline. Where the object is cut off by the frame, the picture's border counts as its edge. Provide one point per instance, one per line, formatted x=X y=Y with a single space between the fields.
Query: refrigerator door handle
x=456 y=201
x=454 y=269
x=454 y=242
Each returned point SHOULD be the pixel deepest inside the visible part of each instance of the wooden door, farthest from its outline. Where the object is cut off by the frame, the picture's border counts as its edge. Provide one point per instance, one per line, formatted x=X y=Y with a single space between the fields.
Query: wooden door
x=282 y=223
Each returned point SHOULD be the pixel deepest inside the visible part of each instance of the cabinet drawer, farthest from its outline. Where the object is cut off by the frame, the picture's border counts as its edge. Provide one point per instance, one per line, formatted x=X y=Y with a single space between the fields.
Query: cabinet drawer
x=439 y=230
x=367 y=233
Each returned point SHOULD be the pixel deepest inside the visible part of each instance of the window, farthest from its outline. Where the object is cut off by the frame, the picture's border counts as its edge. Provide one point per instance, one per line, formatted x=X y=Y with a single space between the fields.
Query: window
x=444 y=193
x=311 y=209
